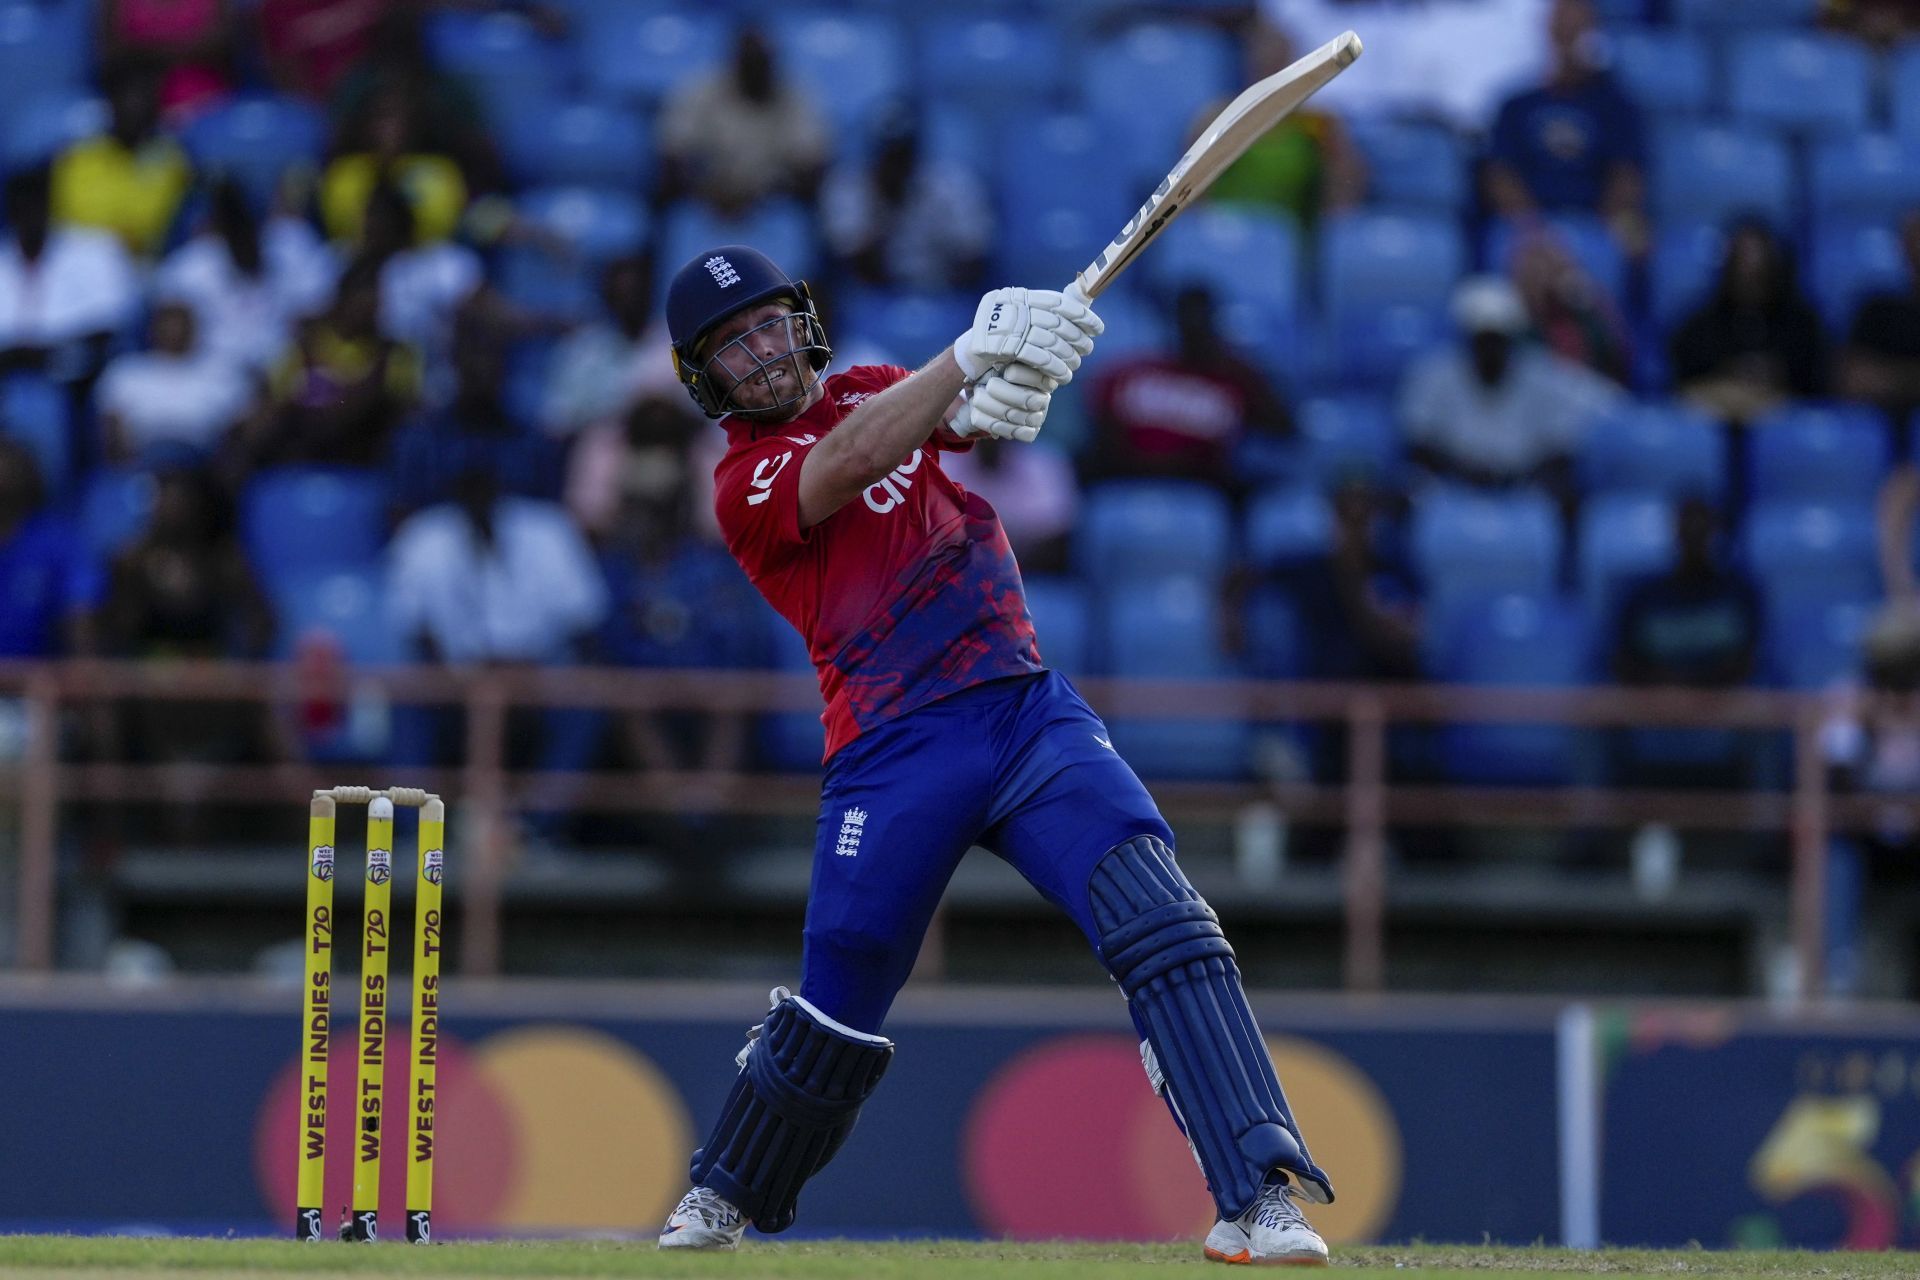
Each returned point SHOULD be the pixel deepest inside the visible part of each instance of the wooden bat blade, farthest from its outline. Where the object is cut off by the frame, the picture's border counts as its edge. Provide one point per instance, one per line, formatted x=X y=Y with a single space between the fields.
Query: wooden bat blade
x=1259 y=107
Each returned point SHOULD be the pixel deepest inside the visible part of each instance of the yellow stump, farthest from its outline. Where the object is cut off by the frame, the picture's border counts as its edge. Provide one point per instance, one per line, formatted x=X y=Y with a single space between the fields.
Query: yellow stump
x=428 y=941
x=316 y=1021
x=373 y=1019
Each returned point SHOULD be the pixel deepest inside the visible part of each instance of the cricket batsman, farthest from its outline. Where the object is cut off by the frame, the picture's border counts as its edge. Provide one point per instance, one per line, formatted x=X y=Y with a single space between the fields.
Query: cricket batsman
x=944 y=730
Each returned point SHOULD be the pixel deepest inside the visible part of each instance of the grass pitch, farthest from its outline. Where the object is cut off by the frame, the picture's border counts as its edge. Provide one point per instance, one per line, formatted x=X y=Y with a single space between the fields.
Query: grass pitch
x=73 y=1257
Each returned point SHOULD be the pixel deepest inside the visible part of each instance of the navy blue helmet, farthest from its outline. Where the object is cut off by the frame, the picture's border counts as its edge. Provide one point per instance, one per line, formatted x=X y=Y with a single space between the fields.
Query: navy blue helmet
x=715 y=285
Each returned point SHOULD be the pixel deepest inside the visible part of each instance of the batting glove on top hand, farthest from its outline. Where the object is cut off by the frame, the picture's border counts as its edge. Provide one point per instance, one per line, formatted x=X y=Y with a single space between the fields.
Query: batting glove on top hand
x=1010 y=404
x=1038 y=327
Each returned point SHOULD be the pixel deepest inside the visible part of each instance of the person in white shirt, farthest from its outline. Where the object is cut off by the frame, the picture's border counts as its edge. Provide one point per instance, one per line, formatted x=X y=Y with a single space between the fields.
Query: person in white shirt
x=64 y=291
x=602 y=369
x=175 y=400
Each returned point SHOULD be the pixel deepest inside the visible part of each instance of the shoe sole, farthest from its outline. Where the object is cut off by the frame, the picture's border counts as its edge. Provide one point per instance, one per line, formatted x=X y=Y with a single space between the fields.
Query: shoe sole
x=1245 y=1258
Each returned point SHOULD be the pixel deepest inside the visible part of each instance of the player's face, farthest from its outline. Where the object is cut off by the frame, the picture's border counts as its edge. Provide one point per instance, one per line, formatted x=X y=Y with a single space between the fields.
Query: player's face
x=757 y=360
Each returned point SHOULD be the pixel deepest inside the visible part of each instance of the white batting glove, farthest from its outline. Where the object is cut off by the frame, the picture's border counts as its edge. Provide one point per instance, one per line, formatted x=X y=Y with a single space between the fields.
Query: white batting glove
x=1010 y=404
x=1039 y=327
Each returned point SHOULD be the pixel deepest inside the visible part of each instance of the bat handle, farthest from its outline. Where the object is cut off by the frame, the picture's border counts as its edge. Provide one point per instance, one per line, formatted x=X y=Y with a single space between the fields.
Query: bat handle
x=1077 y=293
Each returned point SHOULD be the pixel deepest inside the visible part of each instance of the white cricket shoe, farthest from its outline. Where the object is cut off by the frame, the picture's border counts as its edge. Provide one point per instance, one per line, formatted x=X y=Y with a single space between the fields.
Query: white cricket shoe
x=703 y=1220
x=1272 y=1232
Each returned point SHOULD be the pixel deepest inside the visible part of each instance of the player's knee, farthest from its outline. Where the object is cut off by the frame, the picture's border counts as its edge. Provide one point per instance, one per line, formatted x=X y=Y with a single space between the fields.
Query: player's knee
x=1149 y=918
x=854 y=962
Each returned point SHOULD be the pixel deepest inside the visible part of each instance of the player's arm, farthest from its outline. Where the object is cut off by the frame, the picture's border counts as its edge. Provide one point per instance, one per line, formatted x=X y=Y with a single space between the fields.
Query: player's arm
x=875 y=438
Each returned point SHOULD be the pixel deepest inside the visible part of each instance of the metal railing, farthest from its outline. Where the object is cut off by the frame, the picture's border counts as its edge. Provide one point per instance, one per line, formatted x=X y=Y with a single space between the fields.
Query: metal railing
x=482 y=791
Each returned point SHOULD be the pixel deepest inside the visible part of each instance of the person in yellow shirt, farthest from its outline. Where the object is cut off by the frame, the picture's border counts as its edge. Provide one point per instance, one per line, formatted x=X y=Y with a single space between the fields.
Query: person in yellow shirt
x=131 y=179
x=432 y=184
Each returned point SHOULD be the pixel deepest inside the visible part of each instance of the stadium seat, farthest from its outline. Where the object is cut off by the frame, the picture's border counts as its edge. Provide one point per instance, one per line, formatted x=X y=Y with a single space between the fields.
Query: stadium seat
x=1815 y=644
x=1372 y=347
x=500 y=54
x=1585 y=239
x=310 y=519
x=43 y=127
x=1287 y=525
x=1472 y=545
x=1239 y=254
x=347 y=604
x=851 y=62
x=1373 y=263
x=597 y=224
x=1349 y=435
x=1806 y=81
x=1061 y=198
x=1867 y=177
x=1667 y=72
x=41 y=55
x=1711 y=172
x=578 y=143
x=1745 y=13
x=640 y=54
x=1277 y=645
x=256 y=139
x=1802 y=549
x=114 y=508
x=35 y=412
x=1520 y=640
x=1185 y=70
x=1623 y=536
x=1062 y=623
x=1819 y=453
x=1655 y=448
x=1850 y=261
x=1171 y=630
x=781 y=229
x=1413 y=166
x=911 y=328
x=1686 y=262
x=1138 y=531
x=990 y=63
x=1903 y=83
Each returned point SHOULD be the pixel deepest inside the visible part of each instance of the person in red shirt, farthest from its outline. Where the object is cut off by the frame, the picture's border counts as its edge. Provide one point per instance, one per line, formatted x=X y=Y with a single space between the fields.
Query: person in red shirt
x=944 y=730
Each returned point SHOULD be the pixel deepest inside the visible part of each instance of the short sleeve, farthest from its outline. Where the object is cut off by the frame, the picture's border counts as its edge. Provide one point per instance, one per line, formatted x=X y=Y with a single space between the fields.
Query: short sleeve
x=757 y=500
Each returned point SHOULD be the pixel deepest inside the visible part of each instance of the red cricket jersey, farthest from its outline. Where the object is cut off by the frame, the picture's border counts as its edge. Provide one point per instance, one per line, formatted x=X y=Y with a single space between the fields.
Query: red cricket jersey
x=906 y=594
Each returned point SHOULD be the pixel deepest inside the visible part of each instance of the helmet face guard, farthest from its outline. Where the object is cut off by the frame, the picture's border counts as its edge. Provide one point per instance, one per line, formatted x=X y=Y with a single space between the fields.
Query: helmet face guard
x=715 y=381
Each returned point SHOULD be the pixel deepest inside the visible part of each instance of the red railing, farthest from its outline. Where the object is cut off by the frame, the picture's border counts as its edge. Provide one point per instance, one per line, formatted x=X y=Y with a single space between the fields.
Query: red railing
x=482 y=792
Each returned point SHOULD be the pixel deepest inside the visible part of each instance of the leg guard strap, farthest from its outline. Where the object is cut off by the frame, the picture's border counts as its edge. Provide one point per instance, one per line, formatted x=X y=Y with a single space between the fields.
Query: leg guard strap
x=794 y=1102
x=1163 y=944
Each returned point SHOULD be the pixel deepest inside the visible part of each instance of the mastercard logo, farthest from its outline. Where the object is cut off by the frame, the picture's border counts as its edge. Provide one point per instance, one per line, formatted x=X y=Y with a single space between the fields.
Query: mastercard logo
x=540 y=1128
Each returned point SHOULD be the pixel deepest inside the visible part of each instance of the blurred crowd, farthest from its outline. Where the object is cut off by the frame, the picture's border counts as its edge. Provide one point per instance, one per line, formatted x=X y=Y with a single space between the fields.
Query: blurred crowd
x=1562 y=342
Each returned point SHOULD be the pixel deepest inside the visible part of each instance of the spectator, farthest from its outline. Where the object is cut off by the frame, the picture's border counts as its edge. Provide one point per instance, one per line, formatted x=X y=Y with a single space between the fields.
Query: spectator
x=63 y=293
x=174 y=402
x=1498 y=410
x=247 y=282
x=386 y=150
x=1305 y=166
x=473 y=430
x=1696 y=625
x=1181 y=414
x=1574 y=144
x=1575 y=317
x=191 y=40
x=448 y=118
x=1881 y=361
x=602 y=367
x=309 y=45
x=131 y=179
x=423 y=286
x=654 y=437
x=342 y=388
x=47 y=584
x=906 y=219
x=743 y=134
x=1757 y=340
x=1034 y=492
x=1362 y=602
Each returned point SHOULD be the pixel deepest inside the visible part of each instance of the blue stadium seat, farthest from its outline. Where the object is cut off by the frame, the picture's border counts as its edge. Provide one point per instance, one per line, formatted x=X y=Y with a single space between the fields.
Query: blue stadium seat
x=1819 y=453
x=1468 y=544
x=1903 y=83
x=41 y=55
x=1372 y=261
x=640 y=54
x=952 y=133
x=255 y=139
x=114 y=508
x=1806 y=81
x=781 y=229
x=1185 y=70
x=1801 y=549
x=309 y=519
x=991 y=63
x=1371 y=347
x=1686 y=262
x=1745 y=13
x=1659 y=447
x=35 y=411
x=1350 y=435
x=1266 y=333
x=851 y=62
x=1061 y=198
x=1667 y=71
x=47 y=125
x=1623 y=536
x=1062 y=623
x=1867 y=177
x=578 y=142
x=1287 y=525
x=1815 y=645
x=1519 y=640
x=1277 y=645
x=1239 y=254
x=598 y=224
x=1851 y=260
x=500 y=54
x=1171 y=630
x=1137 y=531
x=1585 y=239
x=1711 y=172
x=1413 y=166
x=348 y=604
x=912 y=328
